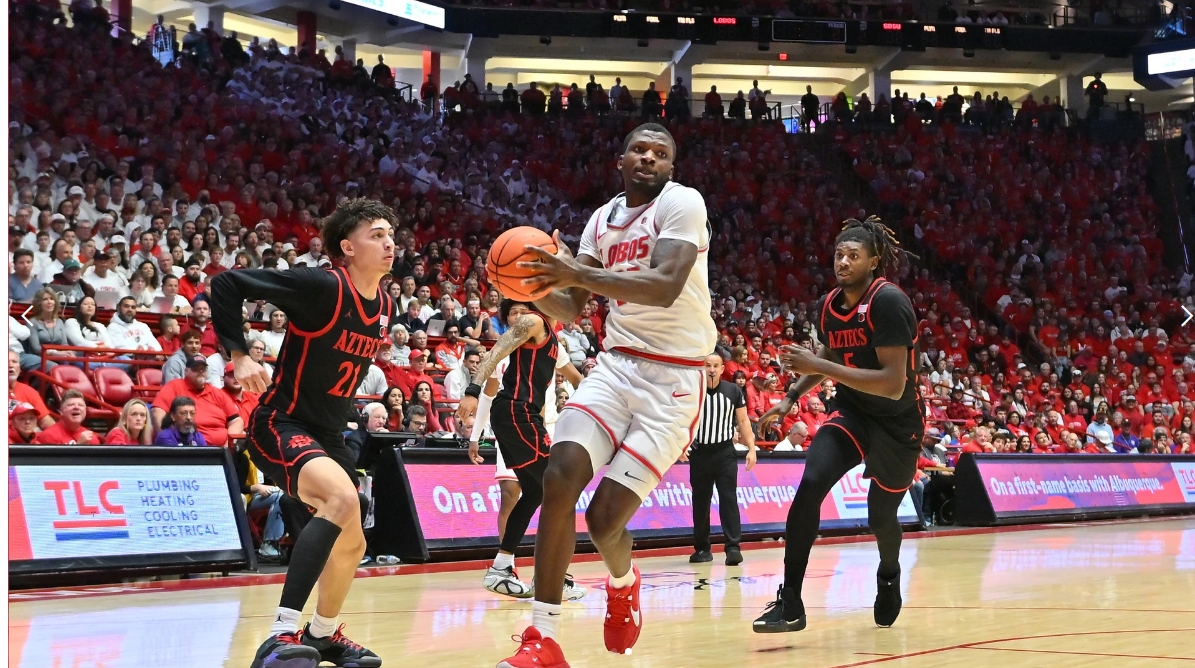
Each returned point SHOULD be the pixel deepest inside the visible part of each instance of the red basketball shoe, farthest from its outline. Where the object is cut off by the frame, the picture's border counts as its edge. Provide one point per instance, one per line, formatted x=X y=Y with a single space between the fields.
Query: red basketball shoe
x=535 y=651
x=623 y=617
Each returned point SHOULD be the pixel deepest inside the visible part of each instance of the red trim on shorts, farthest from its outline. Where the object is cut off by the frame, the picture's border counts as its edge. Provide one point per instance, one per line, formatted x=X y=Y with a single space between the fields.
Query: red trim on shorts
x=700 y=405
x=662 y=359
x=642 y=460
x=601 y=423
x=848 y=433
x=875 y=481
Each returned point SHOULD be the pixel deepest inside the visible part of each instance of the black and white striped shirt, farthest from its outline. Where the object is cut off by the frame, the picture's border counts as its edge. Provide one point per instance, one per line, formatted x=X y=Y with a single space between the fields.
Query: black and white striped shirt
x=717 y=414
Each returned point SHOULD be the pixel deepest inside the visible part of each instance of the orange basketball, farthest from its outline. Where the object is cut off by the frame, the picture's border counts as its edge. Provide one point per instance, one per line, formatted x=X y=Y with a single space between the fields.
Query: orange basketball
x=507 y=251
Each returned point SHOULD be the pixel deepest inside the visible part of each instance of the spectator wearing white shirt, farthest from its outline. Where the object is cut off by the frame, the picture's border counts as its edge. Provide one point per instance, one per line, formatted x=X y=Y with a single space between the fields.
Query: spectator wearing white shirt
x=794 y=440
x=81 y=331
x=103 y=277
x=169 y=290
x=459 y=378
x=400 y=352
x=1099 y=431
x=315 y=256
x=126 y=332
x=272 y=336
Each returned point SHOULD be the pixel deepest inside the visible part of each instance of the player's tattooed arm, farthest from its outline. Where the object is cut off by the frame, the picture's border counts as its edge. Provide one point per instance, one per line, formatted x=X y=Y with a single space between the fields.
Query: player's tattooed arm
x=524 y=329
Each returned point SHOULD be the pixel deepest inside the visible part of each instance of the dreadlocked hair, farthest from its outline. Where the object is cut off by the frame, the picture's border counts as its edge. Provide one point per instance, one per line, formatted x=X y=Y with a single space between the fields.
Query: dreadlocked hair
x=878 y=239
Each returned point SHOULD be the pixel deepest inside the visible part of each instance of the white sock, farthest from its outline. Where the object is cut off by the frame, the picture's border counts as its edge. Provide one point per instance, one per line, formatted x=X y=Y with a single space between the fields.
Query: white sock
x=546 y=618
x=624 y=581
x=286 y=621
x=321 y=627
x=504 y=560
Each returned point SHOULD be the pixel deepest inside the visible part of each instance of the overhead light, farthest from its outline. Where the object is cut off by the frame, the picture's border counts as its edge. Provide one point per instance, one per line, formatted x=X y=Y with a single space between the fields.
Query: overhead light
x=1132 y=99
x=852 y=49
x=764 y=46
x=968 y=53
x=545 y=40
x=642 y=43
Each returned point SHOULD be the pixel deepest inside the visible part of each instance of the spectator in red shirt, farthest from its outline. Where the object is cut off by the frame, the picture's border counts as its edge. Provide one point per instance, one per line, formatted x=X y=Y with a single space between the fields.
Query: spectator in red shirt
x=191 y=284
x=216 y=414
x=19 y=392
x=133 y=427
x=738 y=362
x=451 y=350
x=414 y=374
x=22 y=424
x=245 y=400
x=69 y=429
x=169 y=339
x=201 y=321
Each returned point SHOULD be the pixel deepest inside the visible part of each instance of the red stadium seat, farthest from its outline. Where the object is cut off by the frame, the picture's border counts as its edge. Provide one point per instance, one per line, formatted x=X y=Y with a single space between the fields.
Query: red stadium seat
x=67 y=377
x=148 y=378
x=114 y=385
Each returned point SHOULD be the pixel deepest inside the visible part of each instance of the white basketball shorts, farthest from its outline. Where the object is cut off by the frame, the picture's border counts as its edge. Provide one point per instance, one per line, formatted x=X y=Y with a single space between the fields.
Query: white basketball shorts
x=636 y=414
x=500 y=470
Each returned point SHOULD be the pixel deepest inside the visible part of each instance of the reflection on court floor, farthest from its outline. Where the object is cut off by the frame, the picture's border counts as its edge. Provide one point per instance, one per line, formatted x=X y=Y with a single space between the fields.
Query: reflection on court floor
x=1064 y=596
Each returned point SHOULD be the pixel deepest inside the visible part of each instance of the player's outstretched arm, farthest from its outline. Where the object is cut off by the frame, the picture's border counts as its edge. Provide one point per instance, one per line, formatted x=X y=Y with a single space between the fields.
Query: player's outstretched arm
x=659 y=285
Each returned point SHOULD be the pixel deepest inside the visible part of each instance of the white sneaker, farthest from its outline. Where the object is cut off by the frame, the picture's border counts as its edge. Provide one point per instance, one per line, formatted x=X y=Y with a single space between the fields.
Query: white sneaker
x=572 y=590
x=268 y=551
x=506 y=582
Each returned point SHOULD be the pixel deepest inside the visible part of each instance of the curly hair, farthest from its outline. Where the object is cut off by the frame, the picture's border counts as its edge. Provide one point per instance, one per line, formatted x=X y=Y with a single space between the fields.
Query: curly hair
x=348 y=215
x=877 y=238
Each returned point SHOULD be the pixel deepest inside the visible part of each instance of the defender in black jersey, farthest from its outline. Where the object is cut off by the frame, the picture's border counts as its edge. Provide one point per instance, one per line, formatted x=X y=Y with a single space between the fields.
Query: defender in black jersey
x=337 y=320
x=516 y=417
x=869 y=334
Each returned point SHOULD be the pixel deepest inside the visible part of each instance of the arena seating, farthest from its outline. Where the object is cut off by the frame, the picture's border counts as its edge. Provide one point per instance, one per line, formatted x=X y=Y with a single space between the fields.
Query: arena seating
x=241 y=130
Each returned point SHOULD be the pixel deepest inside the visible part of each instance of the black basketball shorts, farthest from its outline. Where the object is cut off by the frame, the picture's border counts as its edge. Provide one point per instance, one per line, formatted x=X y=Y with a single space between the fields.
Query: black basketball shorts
x=888 y=445
x=280 y=446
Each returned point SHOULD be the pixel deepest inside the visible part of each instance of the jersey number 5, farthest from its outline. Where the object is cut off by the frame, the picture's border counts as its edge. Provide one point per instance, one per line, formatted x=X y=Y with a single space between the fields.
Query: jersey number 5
x=349 y=373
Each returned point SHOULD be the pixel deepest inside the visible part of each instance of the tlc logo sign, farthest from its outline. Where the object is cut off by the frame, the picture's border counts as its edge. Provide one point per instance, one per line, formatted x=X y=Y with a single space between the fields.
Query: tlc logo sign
x=78 y=520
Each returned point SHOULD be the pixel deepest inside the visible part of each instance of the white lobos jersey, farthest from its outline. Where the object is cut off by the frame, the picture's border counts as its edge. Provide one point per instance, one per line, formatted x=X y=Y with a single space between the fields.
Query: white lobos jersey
x=624 y=239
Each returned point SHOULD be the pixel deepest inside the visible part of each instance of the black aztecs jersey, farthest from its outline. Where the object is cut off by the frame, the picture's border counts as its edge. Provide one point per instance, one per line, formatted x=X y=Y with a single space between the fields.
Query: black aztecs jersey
x=332 y=337
x=884 y=317
x=530 y=371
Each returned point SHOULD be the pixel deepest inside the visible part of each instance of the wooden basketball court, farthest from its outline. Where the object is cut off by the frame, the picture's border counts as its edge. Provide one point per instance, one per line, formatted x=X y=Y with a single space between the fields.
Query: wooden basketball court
x=1097 y=595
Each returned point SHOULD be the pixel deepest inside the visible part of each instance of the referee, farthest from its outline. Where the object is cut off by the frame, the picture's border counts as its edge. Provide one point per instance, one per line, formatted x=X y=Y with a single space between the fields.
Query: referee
x=712 y=459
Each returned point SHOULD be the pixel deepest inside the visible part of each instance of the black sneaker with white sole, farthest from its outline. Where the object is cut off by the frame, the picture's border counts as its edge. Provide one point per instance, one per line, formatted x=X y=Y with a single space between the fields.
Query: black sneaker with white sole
x=340 y=651
x=887 y=606
x=785 y=614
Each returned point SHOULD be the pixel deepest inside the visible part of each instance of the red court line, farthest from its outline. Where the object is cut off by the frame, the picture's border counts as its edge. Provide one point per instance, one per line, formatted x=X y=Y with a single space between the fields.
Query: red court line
x=972 y=645
x=254 y=579
x=1054 y=651
x=89 y=524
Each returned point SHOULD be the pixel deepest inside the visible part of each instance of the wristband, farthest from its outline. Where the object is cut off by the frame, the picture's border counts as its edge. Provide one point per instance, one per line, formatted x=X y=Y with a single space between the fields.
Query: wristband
x=474 y=390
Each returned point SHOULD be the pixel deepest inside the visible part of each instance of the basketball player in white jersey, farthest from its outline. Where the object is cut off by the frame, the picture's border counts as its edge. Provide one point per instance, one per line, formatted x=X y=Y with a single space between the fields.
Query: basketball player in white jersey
x=636 y=411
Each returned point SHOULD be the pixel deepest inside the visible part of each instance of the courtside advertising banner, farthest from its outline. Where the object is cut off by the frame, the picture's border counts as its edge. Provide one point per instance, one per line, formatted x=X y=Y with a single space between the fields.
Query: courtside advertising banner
x=460 y=501
x=87 y=515
x=1000 y=488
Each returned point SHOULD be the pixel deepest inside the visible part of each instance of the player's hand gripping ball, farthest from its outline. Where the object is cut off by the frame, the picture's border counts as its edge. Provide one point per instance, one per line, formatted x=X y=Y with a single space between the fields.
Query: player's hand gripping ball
x=507 y=251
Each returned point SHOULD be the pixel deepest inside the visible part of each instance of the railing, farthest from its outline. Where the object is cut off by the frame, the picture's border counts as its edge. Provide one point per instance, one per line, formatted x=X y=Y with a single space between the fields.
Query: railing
x=774 y=108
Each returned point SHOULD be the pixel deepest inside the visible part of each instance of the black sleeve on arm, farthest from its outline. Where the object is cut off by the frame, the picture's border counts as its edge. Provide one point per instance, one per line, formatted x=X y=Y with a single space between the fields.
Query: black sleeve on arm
x=893 y=318
x=306 y=295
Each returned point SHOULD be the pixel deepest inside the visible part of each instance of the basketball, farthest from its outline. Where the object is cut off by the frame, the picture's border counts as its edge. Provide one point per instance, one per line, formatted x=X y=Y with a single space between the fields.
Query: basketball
x=507 y=251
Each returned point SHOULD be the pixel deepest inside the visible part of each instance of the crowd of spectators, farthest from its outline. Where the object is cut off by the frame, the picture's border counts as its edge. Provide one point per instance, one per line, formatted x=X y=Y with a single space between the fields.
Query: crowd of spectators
x=1050 y=321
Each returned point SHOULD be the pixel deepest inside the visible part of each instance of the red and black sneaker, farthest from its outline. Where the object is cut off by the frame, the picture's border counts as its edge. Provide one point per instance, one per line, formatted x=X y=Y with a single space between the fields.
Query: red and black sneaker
x=285 y=650
x=339 y=650
x=623 y=616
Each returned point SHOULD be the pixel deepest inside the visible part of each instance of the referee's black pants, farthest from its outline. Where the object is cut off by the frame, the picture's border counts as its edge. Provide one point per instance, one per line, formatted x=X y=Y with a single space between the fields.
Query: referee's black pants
x=712 y=464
